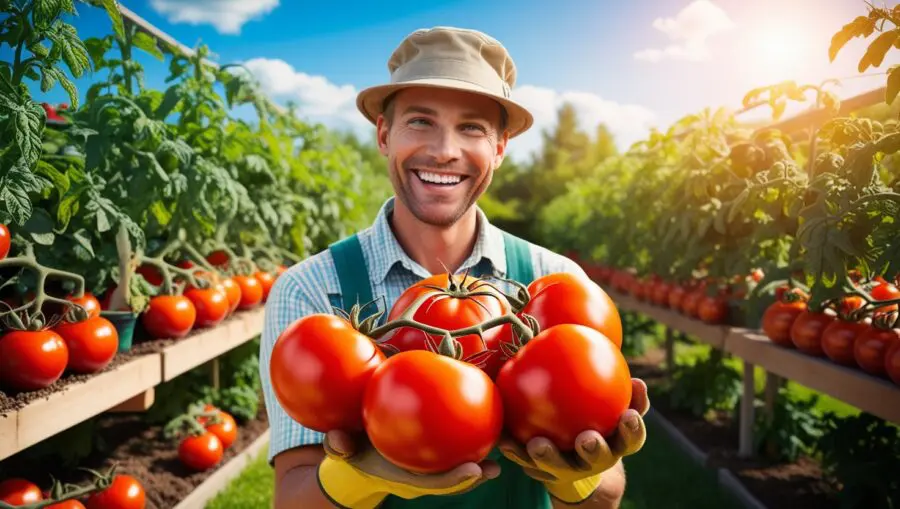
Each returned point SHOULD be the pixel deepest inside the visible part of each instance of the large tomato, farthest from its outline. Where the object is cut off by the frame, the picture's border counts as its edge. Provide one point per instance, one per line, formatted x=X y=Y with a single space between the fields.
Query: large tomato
x=72 y=503
x=779 y=317
x=92 y=343
x=870 y=348
x=4 y=241
x=892 y=362
x=251 y=291
x=17 y=491
x=266 y=280
x=885 y=291
x=226 y=430
x=569 y=298
x=676 y=296
x=233 y=292
x=211 y=304
x=713 y=309
x=169 y=316
x=201 y=452
x=89 y=303
x=429 y=413
x=32 y=360
x=451 y=308
x=567 y=379
x=125 y=492
x=319 y=368
x=838 y=339
x=806 y=331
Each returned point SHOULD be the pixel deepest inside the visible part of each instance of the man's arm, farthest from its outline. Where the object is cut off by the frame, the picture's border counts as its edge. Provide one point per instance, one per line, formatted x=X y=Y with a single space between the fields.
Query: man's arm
x=607 y=496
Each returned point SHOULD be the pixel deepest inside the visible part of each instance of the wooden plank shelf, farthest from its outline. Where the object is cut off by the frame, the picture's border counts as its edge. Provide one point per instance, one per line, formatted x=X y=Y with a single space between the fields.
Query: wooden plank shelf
x=853 y=386
x=713 y=335
x=204 y=346
x=76 y=403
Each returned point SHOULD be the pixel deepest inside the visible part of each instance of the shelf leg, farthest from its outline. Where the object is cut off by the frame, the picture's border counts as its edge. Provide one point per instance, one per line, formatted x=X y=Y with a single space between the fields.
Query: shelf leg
x=745 y=449
x=670 y=351
x=773 y=383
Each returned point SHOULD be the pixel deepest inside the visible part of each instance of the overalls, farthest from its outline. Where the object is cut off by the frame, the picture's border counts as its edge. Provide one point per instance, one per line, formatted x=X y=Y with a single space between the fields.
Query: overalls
x=512 y=489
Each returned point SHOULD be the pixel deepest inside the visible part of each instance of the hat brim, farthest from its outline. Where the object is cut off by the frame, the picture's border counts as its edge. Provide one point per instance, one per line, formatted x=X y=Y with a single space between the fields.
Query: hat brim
x=370 y=101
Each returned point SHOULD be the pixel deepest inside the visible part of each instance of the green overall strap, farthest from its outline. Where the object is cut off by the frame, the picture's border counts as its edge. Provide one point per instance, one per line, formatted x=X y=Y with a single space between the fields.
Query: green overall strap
x=353 y=275
x=518 y=259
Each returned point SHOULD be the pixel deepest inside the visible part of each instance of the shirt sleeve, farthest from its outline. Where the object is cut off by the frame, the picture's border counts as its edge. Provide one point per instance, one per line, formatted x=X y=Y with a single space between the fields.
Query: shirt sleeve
x=288 y=301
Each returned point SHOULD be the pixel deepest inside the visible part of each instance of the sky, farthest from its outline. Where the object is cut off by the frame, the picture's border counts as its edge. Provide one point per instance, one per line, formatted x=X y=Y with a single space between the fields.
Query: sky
x=630 y=65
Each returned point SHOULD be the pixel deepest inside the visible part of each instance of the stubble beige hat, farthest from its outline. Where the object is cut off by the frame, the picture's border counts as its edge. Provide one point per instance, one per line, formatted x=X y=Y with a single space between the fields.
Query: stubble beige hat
x=449 y=57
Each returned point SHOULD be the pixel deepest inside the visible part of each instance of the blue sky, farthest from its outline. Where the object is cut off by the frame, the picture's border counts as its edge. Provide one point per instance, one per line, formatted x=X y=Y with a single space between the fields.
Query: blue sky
x=630 y=64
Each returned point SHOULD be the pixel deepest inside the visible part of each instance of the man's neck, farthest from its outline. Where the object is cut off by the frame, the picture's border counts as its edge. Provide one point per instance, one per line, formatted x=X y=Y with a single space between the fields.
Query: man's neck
x=436 y=249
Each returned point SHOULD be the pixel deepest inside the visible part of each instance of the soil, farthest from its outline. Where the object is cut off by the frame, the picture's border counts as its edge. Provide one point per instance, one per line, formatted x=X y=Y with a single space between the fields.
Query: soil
x=796 y=485
x=141 y=451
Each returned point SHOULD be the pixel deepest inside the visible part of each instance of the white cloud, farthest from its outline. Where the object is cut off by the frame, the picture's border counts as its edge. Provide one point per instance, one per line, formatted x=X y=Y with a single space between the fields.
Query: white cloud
x=228 y=16
x=689 y=31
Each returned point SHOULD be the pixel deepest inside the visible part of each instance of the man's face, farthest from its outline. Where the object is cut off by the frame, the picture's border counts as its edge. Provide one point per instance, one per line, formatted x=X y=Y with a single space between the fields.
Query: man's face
x=442 y=148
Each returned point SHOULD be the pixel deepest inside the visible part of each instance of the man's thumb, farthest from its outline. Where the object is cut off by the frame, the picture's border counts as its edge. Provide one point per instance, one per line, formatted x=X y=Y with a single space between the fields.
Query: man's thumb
x=339 y=444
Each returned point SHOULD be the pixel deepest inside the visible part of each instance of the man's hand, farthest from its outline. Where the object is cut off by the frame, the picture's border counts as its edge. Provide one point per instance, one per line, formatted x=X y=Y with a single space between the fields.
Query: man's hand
x=354 y=474
x=573 y=477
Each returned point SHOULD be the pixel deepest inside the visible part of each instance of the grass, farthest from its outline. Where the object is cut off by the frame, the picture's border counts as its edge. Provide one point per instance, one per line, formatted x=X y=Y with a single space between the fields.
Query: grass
x=657 y=477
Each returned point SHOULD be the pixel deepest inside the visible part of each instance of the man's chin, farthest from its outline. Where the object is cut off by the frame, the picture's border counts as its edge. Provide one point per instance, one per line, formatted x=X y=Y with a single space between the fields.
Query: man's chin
x=440 y=216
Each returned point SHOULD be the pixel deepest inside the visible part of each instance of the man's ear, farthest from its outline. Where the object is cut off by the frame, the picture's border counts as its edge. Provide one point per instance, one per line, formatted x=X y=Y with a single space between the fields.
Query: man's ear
x=381 y=134
x=501 y=149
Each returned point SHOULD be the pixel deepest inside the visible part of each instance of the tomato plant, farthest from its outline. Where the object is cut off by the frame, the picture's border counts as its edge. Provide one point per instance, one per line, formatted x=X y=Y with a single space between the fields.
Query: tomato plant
x=125 y=492
x=567 y=379
x=17 y=491
x=226 y=430
x=441 y=397
x=323 y=352
x=201 y=452
x=169 y=316
x=32 y=360
x=91 y=343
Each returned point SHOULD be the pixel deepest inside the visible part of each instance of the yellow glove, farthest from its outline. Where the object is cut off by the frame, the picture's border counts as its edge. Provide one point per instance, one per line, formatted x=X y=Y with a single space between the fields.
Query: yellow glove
x=573 y=477
x=356 y=476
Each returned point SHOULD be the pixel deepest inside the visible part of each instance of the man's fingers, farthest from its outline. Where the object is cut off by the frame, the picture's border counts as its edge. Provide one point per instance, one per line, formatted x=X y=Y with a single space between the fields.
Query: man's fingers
x=594 y=451
x=490 y=469
x=546 y=456
x=640 y=401
x=339 y=444
x=630 y=434
x=515 y=452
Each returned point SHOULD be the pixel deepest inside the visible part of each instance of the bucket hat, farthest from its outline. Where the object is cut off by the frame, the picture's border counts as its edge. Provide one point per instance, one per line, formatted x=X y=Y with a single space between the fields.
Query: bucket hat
x=455 y=58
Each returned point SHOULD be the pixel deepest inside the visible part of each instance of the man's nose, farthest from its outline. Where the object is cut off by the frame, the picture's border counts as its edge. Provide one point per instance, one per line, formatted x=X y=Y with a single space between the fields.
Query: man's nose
x=446 y=146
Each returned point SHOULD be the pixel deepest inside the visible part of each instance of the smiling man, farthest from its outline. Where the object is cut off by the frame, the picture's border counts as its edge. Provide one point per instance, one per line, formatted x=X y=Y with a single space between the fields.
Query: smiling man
x=443 y=123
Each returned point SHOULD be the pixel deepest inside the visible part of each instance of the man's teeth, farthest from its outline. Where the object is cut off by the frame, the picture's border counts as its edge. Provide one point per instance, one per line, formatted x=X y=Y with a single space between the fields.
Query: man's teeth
x=435 y=178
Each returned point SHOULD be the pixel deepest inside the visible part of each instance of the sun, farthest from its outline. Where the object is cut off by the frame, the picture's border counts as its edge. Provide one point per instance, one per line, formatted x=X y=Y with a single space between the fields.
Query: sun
x=777 y=53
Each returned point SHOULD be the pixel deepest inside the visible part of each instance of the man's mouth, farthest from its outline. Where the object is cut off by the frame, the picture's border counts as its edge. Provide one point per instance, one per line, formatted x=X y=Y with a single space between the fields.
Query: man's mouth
x=439 y=179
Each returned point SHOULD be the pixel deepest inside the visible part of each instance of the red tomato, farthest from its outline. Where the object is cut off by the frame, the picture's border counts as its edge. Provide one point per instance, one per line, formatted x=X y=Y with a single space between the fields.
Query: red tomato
x=690 y=304
x=661 y=294
x=5 y=241
x=892 y=362
x=226 y=430
x=282 y=269
x=713 y=309
x=251 y=291
x=17 y=491
x=266 y=281
x=320 y=366
x=233 y=292
x=32 y=360
x=850 y=304
x=151 y=274
x=92 y=343
x=218 y=258
x=757 y=275
x=569 y=298
x=125 y=492
x=885 y=291
x=211 y=304
x=72 y=503
x=429 y=413
x=870 y=348
x=201 y=452
x=838 y=339
x=169 y=316
x=567 y=379
x=806 y=331
x=453 y=311
x=676 y=296
x=778 y=319
x=89 y=303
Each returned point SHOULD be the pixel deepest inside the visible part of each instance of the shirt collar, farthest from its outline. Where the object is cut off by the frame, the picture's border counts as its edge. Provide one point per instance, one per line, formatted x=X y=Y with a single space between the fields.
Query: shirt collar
x=488 y=245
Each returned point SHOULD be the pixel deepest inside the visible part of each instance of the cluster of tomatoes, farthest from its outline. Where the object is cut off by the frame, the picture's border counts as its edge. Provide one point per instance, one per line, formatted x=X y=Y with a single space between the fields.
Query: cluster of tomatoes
x=428 y=408
x=125 y=492
x=202 y=451
x=868 y=342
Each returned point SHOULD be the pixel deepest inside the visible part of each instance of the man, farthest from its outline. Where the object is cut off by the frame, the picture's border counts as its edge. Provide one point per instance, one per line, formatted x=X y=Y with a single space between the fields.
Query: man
x=443 y=123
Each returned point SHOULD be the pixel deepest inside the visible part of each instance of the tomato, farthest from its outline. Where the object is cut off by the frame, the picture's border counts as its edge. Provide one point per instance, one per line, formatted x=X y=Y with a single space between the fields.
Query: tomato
x=567 y=379
x=713 y=310
x=18 y=491
x=5 y=241
x=757 y=275
x=151 y=274
x=233 y=292
x=226 y=430
x=661 y=294
x=32 y=360
x=885 y=291
x=319 y=368
x=676 y=295
x=429 y=413
x=169 y=316
x=850 y=304
x=690 y=304
x=201 y=452
x=870 y=348
x=125 y=492
x=89 y=303
x=266 y=281
x=451 y=309
x=92 y=343
x=892 y=362
x=778 y=319
x=806 y=331
x=72 y=503
x=185 y=264
x=838 y=339
x=251 y=291
x=282 y=269
x=568 y=298
x=211 y=304
x=218 y=258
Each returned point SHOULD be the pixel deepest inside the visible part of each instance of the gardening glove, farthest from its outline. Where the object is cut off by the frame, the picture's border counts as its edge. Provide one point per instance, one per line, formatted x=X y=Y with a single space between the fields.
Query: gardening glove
x=355 y=475
x=572 y=477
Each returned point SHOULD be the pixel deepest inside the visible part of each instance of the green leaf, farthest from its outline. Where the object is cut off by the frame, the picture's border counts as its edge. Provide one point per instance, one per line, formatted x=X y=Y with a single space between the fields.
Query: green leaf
x=145 y=42
x=70 y=89
x=29 y=119
x=40 y=227
x=48 y=78
x=103 y=223
x=893 y=83
x=878 y=49
x=45 y=11
x=861 y=26
x=116 y=17
x=83 y=238
x=67 y=44
x=15 y=189
x=60 y=181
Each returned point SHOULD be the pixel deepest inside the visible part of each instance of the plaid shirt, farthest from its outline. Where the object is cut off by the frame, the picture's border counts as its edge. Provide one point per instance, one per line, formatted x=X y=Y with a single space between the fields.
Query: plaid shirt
x=312 y=286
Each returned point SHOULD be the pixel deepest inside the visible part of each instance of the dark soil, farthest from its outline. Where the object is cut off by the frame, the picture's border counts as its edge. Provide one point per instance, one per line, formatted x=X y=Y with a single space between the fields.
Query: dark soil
x=796 y=485
x=141 y=451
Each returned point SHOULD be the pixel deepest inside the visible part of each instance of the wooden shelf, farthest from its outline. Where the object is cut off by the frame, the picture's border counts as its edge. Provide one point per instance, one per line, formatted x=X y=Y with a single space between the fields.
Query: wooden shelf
x=209 y=344
x=853 y=386
x=76 y=403
x=713 y=335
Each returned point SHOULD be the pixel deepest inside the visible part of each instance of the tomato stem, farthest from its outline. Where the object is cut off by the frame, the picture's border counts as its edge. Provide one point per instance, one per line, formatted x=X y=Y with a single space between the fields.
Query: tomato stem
x=61 y=492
